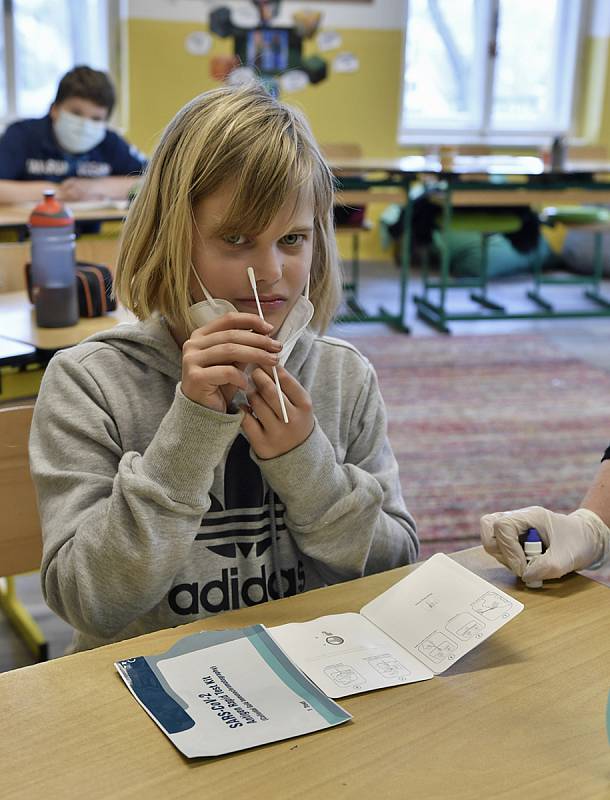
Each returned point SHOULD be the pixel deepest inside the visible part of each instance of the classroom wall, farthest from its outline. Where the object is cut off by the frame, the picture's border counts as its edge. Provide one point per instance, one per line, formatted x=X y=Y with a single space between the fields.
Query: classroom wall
x=364 y=106
x=593 y=96
x=162 y=75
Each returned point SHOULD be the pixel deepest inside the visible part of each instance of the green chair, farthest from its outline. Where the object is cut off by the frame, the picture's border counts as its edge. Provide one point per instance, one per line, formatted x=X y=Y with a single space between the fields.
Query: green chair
x=592 y=219
x=485 y=224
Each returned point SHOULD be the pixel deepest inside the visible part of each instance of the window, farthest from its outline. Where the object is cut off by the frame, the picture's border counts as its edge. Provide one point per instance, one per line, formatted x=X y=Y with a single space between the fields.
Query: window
x=489 y=70
x=43 y=39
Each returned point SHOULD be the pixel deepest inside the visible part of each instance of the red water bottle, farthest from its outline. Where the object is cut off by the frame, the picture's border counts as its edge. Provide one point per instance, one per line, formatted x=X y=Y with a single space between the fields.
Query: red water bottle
x=53 y=273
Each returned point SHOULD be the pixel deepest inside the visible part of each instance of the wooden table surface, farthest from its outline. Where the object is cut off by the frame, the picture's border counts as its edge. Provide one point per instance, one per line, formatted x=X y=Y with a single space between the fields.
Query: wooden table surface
x=491 y=165
x=522 y=716
x=19 y=214
x=11 y=350
x=17 y=322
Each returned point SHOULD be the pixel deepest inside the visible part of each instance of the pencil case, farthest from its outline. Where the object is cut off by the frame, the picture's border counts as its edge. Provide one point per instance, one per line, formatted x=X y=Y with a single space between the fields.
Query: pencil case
x=94 y=288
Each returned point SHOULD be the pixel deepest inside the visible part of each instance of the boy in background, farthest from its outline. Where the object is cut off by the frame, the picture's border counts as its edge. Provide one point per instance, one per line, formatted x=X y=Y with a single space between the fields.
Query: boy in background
x=71 y=149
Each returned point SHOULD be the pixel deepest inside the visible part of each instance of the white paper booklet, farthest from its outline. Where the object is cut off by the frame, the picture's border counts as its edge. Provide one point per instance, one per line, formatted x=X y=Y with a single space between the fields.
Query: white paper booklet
x=221 y=691
x=416 y=629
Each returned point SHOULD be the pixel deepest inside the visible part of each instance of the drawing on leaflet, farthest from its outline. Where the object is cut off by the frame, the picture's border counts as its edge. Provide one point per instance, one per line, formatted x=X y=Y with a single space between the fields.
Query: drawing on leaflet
x=465 y=627
x=387 y=666
x=491 y=606
x=429 y=600
x=344 y=676
x=437 y=647
x=330 y=638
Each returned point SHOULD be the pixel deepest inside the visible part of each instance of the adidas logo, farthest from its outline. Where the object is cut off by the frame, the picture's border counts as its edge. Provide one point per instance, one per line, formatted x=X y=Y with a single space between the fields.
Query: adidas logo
x=231 y=592
x=231 y=549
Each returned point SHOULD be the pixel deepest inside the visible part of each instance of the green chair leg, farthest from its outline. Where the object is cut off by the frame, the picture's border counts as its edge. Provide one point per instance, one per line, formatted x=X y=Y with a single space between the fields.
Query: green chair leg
x=355 y=266
x=598 y=271
x=481 y=297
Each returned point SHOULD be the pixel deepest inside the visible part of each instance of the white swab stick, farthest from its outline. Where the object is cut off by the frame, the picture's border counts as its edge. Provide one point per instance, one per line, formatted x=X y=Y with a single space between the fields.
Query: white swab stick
x=276 y=377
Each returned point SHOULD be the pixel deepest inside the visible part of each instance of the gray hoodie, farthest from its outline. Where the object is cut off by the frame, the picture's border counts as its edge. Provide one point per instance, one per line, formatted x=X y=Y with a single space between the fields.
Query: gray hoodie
x=155 y=512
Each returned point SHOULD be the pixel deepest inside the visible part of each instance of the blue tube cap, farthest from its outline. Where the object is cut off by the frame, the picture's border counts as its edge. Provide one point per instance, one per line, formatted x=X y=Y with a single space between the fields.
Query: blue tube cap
x=533 y=535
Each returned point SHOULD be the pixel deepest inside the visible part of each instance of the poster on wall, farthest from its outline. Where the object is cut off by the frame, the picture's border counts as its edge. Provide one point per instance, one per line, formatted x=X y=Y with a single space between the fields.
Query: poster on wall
x=272 y=53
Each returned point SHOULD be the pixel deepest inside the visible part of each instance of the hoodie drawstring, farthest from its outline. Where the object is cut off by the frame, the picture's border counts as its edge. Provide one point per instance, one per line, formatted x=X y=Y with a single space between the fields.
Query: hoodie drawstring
x=275 y=549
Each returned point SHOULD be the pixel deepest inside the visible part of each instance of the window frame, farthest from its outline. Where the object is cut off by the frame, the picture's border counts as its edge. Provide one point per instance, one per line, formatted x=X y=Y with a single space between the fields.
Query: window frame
x=575 y=14
x=114 y=14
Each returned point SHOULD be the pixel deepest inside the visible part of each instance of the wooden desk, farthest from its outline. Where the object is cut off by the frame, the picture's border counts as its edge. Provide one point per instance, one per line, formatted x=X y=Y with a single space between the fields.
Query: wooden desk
x=484 y=180
x=17 y=322
x=490 y=165
x=522 y=716
x=430 y=164
x=12 y=216
x=13 y=352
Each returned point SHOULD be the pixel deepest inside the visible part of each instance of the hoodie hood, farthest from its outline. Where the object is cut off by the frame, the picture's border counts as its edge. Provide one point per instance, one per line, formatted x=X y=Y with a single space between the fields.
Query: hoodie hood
x=149 y=342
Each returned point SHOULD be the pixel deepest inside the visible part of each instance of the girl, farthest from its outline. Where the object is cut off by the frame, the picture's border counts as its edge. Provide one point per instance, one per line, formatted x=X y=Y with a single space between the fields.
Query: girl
x=169 y=486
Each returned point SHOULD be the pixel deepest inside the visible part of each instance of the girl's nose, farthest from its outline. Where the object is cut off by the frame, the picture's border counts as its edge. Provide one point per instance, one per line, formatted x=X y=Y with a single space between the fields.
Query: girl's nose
x=268 y=266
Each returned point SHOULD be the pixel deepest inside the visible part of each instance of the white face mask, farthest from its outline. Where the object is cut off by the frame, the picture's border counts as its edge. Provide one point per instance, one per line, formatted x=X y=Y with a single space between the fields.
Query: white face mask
x=297 y=319
x=78 y=134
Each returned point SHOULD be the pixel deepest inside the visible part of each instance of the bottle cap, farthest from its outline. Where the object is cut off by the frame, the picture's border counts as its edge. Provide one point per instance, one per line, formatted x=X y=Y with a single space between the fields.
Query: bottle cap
x=533 y=535
x=533 y=547
x=51 y=213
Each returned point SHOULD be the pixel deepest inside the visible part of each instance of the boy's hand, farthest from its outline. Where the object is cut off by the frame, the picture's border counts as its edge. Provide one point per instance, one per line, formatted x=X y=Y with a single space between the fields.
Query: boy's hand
x=214 y=356
x=268 y=434
x=79 y=189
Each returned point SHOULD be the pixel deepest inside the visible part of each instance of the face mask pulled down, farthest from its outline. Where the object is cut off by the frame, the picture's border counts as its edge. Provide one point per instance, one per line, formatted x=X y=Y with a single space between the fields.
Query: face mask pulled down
x=298 y=318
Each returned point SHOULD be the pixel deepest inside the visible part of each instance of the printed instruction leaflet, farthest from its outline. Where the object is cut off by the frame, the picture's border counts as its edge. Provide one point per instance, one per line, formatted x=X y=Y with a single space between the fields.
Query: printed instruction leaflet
x=416 y=629
x=216 y=692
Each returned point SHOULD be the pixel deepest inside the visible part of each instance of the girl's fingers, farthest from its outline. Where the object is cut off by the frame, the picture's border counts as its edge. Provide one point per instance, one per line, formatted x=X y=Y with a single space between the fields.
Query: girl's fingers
x=250 y=425
x=230 y=353
x=219 y=376
x=237 y=319
x=292 y=389
x=265 y=412
x=234 y=336
x=295 y=395
x=266 y=387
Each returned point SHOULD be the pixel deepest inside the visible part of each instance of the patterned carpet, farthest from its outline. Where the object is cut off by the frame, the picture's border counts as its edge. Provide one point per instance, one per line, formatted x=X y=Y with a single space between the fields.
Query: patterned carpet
x=488 y=423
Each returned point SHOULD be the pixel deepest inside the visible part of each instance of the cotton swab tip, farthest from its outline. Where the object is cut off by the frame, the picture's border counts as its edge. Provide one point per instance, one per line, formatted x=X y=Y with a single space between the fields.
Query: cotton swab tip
x=252 y=278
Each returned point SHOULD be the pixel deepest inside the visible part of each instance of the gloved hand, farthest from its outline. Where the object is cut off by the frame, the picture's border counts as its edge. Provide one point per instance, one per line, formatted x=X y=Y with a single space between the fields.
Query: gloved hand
x=573 y=541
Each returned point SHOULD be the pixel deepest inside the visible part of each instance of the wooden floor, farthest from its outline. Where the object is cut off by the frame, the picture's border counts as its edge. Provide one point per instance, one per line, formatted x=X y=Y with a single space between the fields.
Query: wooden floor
x=585 y=338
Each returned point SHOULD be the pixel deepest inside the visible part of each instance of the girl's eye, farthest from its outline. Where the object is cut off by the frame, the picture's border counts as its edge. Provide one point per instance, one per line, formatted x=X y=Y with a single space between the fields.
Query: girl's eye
x=234 y=238
x=293 y=239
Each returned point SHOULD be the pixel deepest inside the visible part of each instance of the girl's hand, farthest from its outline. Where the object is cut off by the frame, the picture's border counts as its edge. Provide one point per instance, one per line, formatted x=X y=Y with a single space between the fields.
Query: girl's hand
x=215 y=355
x=268 y=434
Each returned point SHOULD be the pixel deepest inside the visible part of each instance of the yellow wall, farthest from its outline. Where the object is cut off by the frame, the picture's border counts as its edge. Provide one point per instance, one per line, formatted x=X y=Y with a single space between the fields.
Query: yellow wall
x=354 y=107
x=596 y=91
x=361 y=106
x=357 y=107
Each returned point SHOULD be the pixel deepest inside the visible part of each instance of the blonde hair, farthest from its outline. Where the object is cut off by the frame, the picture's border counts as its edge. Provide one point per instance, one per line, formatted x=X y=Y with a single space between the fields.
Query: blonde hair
x=234 y=135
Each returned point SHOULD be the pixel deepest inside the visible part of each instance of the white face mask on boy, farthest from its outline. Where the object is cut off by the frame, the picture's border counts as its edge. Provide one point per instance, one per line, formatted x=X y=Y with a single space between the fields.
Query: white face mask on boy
x=78 y=134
